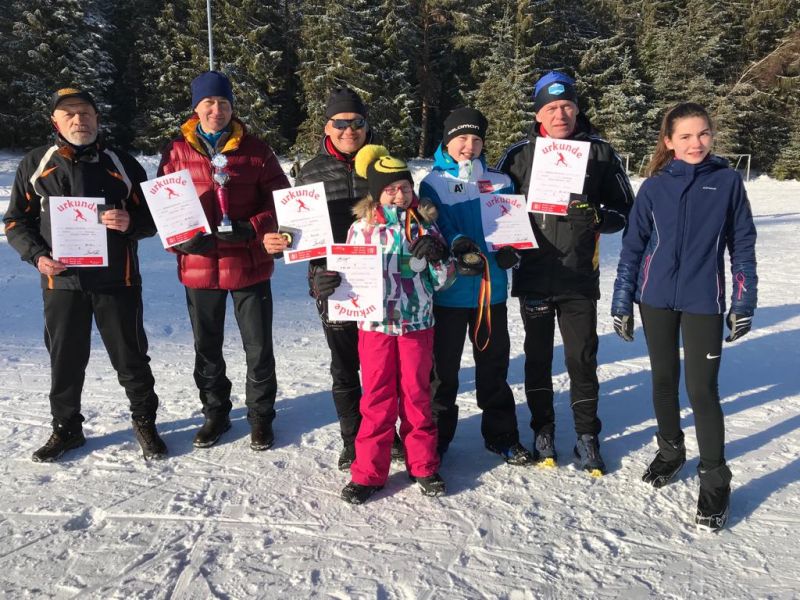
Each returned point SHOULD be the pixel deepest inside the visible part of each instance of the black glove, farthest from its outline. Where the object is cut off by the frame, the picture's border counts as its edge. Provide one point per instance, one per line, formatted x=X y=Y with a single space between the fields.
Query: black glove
x=463 y=245
x=323 y=284
x=623 y=327
x=199 y=244
x=507 y=257
x=582 y=215
x=468 y=257
x=242 y=231
x=738 y=324
x=428 y=247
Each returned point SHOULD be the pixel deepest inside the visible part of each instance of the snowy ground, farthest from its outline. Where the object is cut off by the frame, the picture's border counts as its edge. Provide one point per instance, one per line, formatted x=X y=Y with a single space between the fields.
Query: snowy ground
x=230 y=523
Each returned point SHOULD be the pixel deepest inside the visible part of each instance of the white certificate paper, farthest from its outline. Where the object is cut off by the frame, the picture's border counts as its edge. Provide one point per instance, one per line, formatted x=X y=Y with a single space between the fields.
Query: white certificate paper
x=505 y=222
x=304 y=211
x=79 y=240
x=360 y=297
x=175 y=207
x=559 y=169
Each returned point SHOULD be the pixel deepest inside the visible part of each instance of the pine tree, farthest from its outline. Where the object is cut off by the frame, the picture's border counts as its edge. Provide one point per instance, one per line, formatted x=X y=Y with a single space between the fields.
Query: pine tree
x=394 y=112
x=787 y=165
x=126 y=22
x=171 y=57
x=247 y=47
x=503 y=94
x=52 y=44
x=616 y=99
x=337 y=49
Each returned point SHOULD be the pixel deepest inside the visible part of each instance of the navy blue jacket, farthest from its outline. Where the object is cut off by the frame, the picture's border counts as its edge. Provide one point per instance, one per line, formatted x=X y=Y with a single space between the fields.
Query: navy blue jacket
x=673 y=249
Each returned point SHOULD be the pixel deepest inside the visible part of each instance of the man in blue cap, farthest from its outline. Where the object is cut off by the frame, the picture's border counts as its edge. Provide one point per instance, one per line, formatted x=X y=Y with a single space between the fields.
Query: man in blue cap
x=235 y=174
x=560 y=279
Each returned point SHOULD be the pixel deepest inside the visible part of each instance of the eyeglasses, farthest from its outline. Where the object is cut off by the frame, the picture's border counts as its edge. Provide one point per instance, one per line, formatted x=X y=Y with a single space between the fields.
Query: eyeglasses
x=354 y=124
x=392 y=190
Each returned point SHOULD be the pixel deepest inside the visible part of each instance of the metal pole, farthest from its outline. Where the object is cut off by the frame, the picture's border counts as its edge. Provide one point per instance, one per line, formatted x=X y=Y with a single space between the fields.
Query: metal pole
x=210 y=38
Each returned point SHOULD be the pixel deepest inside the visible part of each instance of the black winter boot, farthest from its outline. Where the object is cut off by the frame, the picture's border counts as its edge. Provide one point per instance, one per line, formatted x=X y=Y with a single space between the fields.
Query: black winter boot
x=432 y=485
x=544 y=449
x=61 y=440
x=516 y=454
x=211 y=431
x=587 y=454
x=668 y=461
x=144 y=428
x=261 y=436
x=346 y=457
x=713 y=503
x=355 y=493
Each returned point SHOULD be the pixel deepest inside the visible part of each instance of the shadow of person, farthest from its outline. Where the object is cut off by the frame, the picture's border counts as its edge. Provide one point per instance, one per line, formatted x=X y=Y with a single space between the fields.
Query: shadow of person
x=746 y=499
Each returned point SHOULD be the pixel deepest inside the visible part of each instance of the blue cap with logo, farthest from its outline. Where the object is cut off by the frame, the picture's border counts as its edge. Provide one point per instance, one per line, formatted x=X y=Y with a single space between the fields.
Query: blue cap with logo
x=553 y=86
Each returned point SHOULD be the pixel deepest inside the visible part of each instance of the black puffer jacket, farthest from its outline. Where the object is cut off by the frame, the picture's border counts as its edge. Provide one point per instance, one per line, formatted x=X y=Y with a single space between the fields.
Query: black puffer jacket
x=343 y=188
x=97 y=172
x=566 y=264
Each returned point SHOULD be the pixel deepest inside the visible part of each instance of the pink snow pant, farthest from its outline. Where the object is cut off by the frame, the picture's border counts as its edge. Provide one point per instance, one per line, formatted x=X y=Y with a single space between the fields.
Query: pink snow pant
x=395 y=367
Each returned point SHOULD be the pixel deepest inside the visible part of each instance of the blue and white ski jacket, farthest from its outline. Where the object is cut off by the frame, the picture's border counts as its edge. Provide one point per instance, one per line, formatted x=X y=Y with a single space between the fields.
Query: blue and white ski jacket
x=674 y=245
x=457 y=198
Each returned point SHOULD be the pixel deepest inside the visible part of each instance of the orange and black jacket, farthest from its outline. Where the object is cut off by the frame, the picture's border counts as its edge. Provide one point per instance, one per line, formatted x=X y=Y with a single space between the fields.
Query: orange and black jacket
x=97 y=172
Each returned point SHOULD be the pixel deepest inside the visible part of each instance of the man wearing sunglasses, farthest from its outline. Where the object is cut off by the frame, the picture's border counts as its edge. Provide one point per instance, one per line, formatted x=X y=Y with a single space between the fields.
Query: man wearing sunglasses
x=346 y=132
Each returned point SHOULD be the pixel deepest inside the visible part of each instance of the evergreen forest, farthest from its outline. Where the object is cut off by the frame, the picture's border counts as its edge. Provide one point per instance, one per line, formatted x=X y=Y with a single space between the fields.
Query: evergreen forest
x=412 y=61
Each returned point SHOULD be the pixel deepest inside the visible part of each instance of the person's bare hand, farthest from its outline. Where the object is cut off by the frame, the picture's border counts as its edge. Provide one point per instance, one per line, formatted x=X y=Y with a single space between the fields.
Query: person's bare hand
x=48 y=266
x=274 y=243
x=116 y=218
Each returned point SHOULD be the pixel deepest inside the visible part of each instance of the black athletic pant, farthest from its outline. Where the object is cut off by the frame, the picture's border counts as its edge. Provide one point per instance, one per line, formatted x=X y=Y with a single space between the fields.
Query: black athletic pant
x=252 y=307
x=577 y=320
x=342 y=338
x=702 y=347
x=67 y=336
x=493 y=394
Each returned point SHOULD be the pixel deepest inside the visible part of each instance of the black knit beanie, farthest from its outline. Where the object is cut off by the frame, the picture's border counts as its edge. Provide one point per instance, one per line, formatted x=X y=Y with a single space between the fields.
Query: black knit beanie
x=463 y=121
x=344 y=100
x=380 y=169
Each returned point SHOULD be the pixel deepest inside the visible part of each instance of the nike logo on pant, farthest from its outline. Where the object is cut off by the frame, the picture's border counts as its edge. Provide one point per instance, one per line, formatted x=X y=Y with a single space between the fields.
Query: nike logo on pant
x=709 y=356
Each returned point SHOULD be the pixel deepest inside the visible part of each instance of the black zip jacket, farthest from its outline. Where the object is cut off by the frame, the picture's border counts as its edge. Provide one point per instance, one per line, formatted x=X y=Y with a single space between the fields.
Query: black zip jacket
x=96 y=171
x=566 y=264
x=343 y=188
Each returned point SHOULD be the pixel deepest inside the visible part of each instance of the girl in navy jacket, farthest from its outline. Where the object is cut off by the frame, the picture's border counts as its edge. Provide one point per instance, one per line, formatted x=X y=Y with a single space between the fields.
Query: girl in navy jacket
x=672 y=264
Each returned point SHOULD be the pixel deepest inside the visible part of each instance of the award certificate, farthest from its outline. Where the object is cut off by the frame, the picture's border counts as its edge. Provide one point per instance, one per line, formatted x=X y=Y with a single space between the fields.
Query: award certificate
x=304 y=211
x=506 y=222
x=175 y=207
x=79 y=239
x=360 y=297
x=559 y=169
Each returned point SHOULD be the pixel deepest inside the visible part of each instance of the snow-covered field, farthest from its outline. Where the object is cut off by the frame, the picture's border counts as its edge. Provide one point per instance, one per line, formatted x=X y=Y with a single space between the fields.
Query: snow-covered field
x=227 y=522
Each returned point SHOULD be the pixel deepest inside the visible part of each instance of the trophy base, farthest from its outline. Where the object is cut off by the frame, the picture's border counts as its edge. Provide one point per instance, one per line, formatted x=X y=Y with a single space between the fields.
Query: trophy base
x=225 y=228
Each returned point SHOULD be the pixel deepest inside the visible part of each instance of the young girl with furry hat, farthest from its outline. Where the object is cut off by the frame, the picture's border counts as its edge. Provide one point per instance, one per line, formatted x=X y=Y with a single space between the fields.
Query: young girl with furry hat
x=396 y=352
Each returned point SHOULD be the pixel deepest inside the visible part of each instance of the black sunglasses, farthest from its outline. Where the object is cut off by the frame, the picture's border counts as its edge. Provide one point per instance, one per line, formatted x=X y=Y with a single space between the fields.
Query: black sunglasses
x=354 y=124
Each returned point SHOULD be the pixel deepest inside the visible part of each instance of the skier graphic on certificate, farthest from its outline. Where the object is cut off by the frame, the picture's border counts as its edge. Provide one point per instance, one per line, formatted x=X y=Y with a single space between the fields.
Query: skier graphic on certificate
x=505 y=222
x=559 y=169
x=303 y=212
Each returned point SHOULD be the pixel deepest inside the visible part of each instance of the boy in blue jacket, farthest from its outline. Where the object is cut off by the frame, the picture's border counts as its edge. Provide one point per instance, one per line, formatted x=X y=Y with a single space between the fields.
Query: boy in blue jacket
x=476 y=302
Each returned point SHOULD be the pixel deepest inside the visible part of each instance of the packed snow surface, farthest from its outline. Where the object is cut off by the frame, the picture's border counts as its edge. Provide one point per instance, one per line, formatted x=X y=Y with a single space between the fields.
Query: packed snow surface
x=227 y=522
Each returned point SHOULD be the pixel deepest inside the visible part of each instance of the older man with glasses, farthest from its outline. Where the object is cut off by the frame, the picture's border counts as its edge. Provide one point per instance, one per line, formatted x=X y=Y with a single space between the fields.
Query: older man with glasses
x=346 y=132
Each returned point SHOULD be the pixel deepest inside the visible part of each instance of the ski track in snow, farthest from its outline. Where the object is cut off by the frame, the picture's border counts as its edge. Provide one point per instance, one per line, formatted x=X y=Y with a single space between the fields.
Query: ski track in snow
x=227 y=522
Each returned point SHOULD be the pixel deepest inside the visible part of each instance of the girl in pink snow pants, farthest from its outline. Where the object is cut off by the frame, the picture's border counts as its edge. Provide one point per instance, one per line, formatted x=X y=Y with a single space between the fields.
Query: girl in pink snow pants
x=396 y=353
